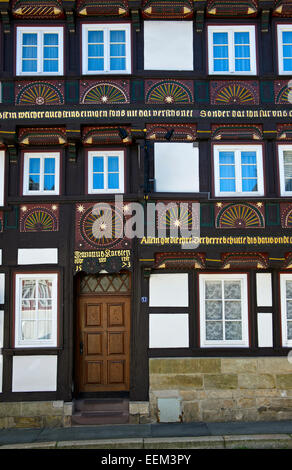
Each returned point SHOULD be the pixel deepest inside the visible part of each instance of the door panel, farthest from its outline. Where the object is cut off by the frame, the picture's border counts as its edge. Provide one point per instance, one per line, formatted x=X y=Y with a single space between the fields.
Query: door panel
x=103 y=348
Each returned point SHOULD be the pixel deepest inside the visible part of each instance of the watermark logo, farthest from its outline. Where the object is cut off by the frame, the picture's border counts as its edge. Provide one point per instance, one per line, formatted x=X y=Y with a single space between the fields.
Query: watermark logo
x=173 y=220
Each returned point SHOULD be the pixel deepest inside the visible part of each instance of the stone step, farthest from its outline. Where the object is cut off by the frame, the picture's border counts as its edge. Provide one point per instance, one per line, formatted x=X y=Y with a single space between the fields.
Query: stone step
x=105 y=404
x=99 y=417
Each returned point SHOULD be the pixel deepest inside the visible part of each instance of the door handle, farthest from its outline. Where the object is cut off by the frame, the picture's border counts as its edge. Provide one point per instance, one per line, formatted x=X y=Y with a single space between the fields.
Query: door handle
x=81 y=347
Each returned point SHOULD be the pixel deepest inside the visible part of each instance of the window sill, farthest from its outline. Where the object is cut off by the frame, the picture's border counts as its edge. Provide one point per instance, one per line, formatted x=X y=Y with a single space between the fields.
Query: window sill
x=37 y=351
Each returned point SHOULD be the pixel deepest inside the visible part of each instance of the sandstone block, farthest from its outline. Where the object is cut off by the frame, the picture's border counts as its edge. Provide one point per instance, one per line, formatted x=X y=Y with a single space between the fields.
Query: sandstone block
x=220 y=381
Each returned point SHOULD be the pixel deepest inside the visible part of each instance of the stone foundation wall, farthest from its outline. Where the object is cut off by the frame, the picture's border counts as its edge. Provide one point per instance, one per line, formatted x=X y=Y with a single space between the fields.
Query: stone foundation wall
x=35 y=414
x=223 y=389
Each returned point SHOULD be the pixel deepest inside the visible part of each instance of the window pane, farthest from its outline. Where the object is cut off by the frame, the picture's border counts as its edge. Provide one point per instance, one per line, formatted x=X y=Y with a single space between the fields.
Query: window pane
x=249 y=185
x=49 y=183
x=98 y=181
x=113 y=181
x=51 y=39
x=95 y=50
x=241 y=37
x=232 y=290
x=28 y=289
x=289 y=309
x=213 y=309
x=45 y=289
x=227 y=185
x=34 y=165
x=221 y=65
x=51 y=52
x=29 y=39
x=34 y=183
x=118 y=64
x=213 y=290
x=248 y=157
x=95 y=64
x=287 y=157
x=95 y=37
x=117 y=50
x=117 y=36
x=289 y=289
x=242 y=65
x=214 y=330
x=51 y=66
x=242 y=52
x=113 y=164
x=287 y=51
x=227 y=171
x=249 y=171
x=220 y=38
x=289 y=330
x=29 y=66
x=29 y=52
x=226 y=157
x=233 y=330
x=287 y=37
x=220 y=52
x=232 y=310
x=49 y=165
x=287 y=64
x=98 y=164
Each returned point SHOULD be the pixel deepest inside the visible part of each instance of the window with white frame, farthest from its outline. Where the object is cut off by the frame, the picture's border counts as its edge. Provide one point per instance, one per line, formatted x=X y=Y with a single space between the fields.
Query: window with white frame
x=284 y=49
x=238 y=170
x=36 y=309
x=41 y=173
x=232 y=50
x=223 y=310
x=106 y=171
x=2 y=176
x=176 y=167
x=106 y=48
x=286 y=309
x=39 y=50
x=285 y=169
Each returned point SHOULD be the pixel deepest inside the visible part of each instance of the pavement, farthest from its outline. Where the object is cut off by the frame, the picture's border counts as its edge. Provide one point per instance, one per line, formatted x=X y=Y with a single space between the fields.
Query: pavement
x=196 y=435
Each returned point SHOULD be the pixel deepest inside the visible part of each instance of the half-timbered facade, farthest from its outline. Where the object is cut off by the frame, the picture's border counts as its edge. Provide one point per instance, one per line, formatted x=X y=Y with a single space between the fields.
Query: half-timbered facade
x=169 y=123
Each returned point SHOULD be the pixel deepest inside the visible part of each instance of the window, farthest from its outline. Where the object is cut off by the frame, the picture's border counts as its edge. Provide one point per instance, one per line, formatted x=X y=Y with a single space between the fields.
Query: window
x=39 y=51
x=232 y=50
x=223 y=310
x=41 y=173
x=285 y=49
x=176 y=167
x=286 y=308
x=36 y=306
x=106 y=171
x=106 y=48
x=2 y=177
x=285 y=169
x=168 y=45
x=238 y=170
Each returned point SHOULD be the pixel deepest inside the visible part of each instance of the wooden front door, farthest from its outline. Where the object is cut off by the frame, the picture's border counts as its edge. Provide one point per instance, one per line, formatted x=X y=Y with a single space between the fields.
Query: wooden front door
x=103 y=343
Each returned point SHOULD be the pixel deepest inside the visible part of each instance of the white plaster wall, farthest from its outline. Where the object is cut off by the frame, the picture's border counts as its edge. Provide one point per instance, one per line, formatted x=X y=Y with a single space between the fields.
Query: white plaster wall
x=169 y=290
x=38 y=256
x=2 y=288
x=34 y=374
x=264 y=289
x=176 y=167
x=168 y=45
x=169 y=330
x=265 y=330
